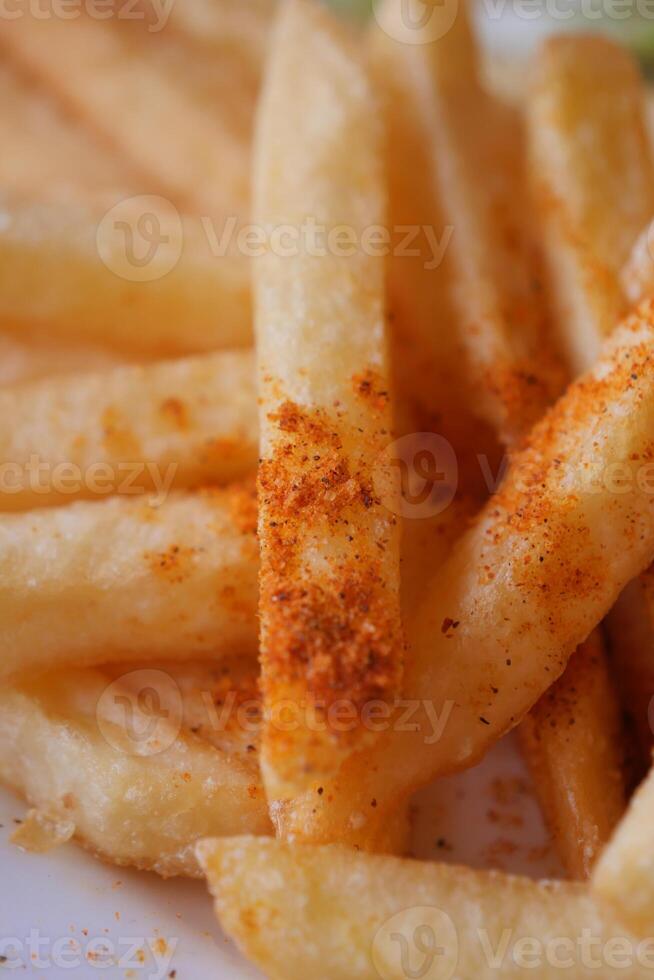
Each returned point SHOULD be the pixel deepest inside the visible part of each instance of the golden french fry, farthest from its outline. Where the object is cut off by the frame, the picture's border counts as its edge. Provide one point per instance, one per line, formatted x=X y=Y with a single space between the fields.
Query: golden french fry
x=575 y=515
x=120 y=763
x=572 y=739
x=624 y=874
x=329 y=602
x=26 y=360
x=73 y=167
x=637 y=274
x=178 y=144
x=631 y=635
x=333 y=912
x=189 y=422
x=71 y=274
x=498 y=307
x=592 y=171
x=126 y=579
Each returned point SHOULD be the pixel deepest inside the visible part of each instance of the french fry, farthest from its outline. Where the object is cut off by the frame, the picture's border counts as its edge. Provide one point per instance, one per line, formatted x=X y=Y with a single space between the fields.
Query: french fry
x=499 y=322
x=630 y=627
x=497 y=626
x=192 y=420
x=624 y=875
x=572 y=740
x=333 y=912
x=69 y=275
x=136 y=579
x=329 y=607
x=135 y=787
x=637 y=274
x=449 y=77
x=594 y=192
x=27 y=360
x=178 y=146
x=73 y=168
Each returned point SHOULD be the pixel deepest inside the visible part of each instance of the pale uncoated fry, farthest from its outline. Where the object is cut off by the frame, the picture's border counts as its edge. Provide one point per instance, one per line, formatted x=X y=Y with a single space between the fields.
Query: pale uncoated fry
x=333 y=912
x=72 y=743
x=175 y=144
x=129 y=579
x=330 y=548
x=624 y=875
x=593 y=179
x=499 y=314
x=572 y=740
x=497 y=625
x=189 y=422
x=69 y=274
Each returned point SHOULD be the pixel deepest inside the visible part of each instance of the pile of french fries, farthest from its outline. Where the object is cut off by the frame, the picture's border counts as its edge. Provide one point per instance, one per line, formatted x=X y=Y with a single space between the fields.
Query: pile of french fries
x=232 y=564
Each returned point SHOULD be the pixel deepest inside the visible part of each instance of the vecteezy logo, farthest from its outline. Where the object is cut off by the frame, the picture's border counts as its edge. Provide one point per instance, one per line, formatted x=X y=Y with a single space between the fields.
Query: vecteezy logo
x=141 y=713
x=417 y=476
x=140 y=239
x=419 y=943
x=416 y=21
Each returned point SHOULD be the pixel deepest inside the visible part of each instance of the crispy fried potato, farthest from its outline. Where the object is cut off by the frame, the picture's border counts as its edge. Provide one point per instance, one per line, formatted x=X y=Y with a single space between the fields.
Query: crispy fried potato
x=73 y=168
x=631 y=634
x=69 y=274
x=329 y=537
x=624 y=875
x=175 y=144
x=592 y=172
x=74 y=744
x=575 y=515
x=498 y=322
x=192 y=422
x=26 y=360
x=333 y=912
x=126 y=579
x=431 y=378
x=572 y=739
x=637 y=274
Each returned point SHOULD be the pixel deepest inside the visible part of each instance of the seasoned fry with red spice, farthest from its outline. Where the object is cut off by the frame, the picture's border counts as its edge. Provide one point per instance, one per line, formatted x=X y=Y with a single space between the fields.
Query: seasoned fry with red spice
x=330 y=620
x=497 y=625
x=593 y=179
x=185 y=423
x=125 y=579
x=477 y=170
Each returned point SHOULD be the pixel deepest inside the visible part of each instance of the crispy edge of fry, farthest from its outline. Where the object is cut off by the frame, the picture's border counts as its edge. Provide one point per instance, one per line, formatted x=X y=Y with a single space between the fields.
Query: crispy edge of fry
x=624 y=874
x=64 y=274
x=138 y=580
x=572 y=740
x=191 y=422
x=593 y=192
x=471 y=680
x=330 y=594
x=331 y=911
x=93 y=779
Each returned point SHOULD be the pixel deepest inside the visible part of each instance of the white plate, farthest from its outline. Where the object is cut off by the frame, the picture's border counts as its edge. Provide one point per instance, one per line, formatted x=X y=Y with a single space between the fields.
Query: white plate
x=66 y=915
